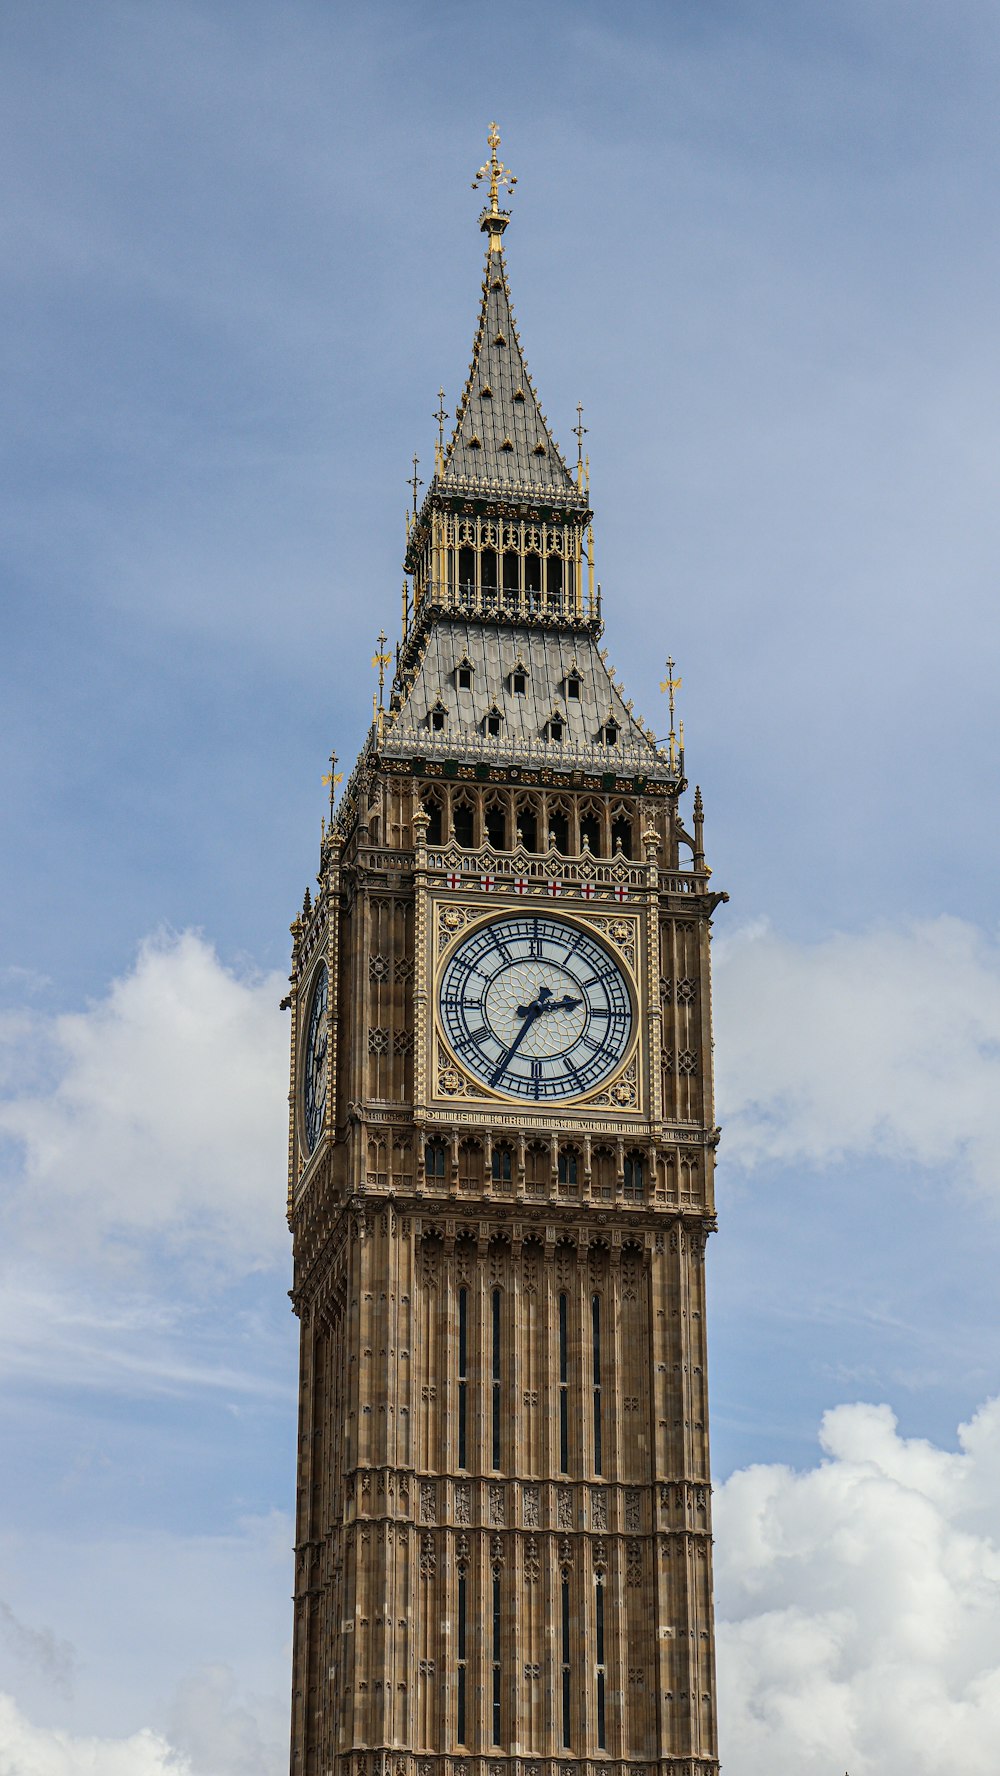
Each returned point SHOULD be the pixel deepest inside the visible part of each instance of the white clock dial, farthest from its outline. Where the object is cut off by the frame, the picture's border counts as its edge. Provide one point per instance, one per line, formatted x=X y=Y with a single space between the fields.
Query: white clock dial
x=535 y=1007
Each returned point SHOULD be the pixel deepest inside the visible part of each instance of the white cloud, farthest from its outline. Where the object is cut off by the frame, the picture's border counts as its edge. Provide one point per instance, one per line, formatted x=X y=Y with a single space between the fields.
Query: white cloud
x=184 y=1635
x=859 y=1605
x=886 y=1042
x=27 y=1750
x=157 y=1113
x=224 y=1735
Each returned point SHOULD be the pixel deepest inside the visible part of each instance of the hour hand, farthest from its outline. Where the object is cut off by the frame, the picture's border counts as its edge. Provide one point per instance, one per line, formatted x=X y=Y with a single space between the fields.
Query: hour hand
x=537 y=1005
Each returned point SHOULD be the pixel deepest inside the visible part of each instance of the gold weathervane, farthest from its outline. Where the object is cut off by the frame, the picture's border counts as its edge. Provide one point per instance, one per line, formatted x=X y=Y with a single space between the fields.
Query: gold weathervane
x=331 y=779
x=494 y=170
x=380 y=659
x=670 y=684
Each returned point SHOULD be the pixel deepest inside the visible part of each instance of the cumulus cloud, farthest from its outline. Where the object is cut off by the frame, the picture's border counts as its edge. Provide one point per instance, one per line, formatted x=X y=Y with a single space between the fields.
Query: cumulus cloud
x=859 y=1605
x=223 y=1734
x=27 y=1750
x=157 y=1113
x=885 y=1042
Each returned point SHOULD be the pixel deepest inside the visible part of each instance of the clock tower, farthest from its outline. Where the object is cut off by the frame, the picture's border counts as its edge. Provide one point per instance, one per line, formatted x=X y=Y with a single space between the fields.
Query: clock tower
x=501 y=1152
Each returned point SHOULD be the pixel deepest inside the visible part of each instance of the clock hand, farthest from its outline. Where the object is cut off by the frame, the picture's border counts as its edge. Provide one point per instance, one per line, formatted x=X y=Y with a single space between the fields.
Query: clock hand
x=539 y=1004
x=565 y=1004
x=529 y=1014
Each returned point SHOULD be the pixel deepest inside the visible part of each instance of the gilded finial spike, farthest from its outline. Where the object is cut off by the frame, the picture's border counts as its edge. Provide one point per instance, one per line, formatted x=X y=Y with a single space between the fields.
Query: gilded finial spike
x=380 y=659
x=670 y=684
x=331 y=779
x=493 y=220
x=413 y=481
x=440 y=414
x=581 y=431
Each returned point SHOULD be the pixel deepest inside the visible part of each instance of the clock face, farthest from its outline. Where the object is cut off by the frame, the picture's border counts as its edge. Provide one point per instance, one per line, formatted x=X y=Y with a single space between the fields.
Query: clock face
x=314 y=1097
x=535 y=1007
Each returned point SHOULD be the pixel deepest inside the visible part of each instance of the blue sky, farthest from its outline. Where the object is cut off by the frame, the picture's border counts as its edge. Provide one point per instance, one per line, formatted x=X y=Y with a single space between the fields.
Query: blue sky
x=760 y=244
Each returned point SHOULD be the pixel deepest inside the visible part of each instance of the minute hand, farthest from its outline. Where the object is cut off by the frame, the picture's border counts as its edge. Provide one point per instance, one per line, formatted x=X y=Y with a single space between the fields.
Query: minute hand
x=530 y=1015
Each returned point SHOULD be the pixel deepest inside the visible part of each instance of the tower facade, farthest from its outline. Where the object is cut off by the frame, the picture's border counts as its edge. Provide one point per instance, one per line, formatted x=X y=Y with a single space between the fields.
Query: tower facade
x=501 y=1156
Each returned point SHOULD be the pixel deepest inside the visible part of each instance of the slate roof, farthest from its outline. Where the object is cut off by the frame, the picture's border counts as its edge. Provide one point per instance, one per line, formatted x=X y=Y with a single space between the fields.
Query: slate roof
x=548 y=657
x=515 y=447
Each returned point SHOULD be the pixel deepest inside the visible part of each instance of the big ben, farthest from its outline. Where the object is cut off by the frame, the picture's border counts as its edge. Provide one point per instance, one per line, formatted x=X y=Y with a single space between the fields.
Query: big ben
x=501 y=1153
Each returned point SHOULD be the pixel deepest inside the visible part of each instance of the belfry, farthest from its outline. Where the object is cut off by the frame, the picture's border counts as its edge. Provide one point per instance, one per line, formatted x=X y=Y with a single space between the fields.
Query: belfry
x=501 y=1154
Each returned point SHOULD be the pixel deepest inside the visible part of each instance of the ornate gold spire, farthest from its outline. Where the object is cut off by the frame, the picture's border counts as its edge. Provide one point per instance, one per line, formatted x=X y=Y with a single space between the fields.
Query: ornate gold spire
x=494 y=220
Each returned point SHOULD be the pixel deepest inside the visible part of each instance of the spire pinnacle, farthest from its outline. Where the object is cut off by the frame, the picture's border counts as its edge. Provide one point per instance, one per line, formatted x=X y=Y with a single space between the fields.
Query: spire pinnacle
x=494 y=220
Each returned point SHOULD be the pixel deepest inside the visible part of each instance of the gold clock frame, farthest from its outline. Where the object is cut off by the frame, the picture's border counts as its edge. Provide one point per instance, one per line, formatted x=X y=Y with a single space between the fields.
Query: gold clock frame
x=622 y=1091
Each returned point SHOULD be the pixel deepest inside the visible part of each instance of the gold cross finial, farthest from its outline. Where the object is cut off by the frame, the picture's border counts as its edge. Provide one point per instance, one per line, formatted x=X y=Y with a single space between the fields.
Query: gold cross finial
x=441 y=414
x=381 y=659
x=581 y=432
x=414 y=481
x=670 y=684
x=497 y=174
x=332 y=778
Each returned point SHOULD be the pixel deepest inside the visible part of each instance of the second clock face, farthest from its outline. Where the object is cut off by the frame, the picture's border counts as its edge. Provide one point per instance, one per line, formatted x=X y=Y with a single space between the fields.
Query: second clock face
x=315 y=1060
x=535 y=1007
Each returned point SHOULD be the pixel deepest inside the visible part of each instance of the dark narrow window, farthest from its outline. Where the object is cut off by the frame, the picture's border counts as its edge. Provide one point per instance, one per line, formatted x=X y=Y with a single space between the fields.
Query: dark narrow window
x=496 y=819
x=555 y=728
x=460 y=1723
x=568 y=1166
x=511 y=575
x=496 y=1378
x=462 y=821
x=554 y=580
x=518 y=684
x=463 y=1370
x=566 y=1723
x=497 y=1722
x=433 y=812
x=437 y=720
x=559 y=828
x=465 y=678
x=532 y=573
x=621 y=832
x=502 y=1164
x=590 y=830
x=595 y=1309
x=434 y=1157
x=573 y=688
x=488 y=571
x=602 y=1736
x=563 y=1386
x=633 y=1178
x=529 y=828
x=493 y=724
x=467 y=571
x=610 y=732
